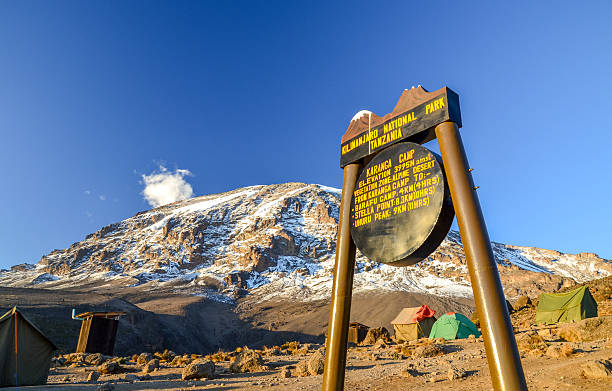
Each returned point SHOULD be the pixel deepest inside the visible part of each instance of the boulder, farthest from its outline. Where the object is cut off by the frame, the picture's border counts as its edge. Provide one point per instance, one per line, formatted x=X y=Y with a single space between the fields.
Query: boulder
x=93 y=376
x=455 y=373
x=427 y=351
x=151 y=366
x=285 y=373
x=316 y=363
x=597 y=369
x=559 y=351
x=199 y=369
x=530 y=341
x=305 y=348
x=75 y=357
x=144 y=358
x=410 y=371
x=380 y=344
x=374 y=334
x=590 y=329
x=168 y=355
x=301 y=369
x=109 y=367
x=94 y=359
x=181 y=361
x=105 y=387
x=522 y=302
x=247 y=361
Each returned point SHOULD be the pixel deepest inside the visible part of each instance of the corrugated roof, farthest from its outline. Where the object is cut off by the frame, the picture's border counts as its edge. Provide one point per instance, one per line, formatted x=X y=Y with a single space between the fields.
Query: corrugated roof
x=101 y=314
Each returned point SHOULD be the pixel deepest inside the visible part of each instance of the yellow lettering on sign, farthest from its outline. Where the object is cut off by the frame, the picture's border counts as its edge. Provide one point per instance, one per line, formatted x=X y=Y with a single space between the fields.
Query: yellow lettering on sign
x=379 y=168
x=386 y=138
x=357 y=141
x=406 y=156
x=434 y=106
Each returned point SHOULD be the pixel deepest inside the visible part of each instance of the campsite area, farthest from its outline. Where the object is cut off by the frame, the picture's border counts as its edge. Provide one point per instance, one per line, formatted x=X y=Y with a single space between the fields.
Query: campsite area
x=374 y=367
x=561 y=356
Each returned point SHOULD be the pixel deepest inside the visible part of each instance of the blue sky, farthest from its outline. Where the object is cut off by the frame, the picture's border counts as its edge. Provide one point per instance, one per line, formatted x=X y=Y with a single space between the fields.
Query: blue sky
x=93 y=95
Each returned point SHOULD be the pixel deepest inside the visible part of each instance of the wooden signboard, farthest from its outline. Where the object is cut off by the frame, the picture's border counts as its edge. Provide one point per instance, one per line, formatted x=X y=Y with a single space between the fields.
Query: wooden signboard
x=401 y=208
x=414 y=118
x=396 y=209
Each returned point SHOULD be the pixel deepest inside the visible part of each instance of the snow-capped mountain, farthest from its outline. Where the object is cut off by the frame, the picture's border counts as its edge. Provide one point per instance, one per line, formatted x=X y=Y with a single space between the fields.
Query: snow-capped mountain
x=272 y=241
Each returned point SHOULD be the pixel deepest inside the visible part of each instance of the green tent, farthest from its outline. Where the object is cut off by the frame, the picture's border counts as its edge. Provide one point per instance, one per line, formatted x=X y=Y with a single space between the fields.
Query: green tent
x=571 y=306
x=453 y=326
x=25 y=353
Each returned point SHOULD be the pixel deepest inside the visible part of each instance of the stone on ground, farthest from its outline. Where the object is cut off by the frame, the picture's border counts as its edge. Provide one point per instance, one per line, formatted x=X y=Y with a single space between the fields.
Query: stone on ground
x=94 y=359
x=559 y=351
x=522 y=302
x=301 y=369
x=105 y=387
x=374 y=334
x=455 y=373
x=144 y=358
x=168 y=355
x=93 y=376
x=427 y=351
x=597 y=369
x=591 y=329
x=247 y=361
x=151 y=366
x=285 y=373
x=109 y=367
x=316 y=363
x=181 y=361
x=410 y=371
x=199 y=369
x=530 y=341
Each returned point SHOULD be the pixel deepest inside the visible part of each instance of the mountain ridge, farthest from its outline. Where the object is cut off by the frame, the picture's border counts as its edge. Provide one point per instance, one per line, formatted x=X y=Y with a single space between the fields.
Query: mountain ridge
x=266 y=241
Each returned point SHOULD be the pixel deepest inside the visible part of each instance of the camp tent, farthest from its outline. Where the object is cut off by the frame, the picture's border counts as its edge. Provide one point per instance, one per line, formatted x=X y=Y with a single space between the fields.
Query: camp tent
x=413 y=323
x=25 y=353
x=571 y=306
x=453 y=326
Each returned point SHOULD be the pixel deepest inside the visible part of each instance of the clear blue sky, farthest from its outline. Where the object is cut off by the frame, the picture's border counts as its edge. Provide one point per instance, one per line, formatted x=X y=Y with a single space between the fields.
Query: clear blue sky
x=94 y=94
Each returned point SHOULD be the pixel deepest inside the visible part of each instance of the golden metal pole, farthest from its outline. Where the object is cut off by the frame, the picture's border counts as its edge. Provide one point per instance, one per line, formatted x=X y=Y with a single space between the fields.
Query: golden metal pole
x=500 y=345
x=340 y=309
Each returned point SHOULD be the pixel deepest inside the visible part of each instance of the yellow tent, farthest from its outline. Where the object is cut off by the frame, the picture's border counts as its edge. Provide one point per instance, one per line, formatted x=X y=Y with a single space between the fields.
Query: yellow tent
x=413 y=323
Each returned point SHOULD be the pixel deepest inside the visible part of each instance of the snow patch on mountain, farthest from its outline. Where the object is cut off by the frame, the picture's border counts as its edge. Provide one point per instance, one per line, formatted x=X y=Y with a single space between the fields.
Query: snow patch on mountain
x=269 y=242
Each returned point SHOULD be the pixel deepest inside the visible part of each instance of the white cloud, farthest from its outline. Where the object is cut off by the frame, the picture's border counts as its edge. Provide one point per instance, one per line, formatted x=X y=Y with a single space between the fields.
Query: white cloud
x=165 y=187
x=102 y=197
x=87 y=192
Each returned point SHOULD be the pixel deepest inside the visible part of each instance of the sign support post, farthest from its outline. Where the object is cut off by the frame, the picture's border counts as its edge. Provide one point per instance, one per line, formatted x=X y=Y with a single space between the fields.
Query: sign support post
x=337 y=332
x=500 y=345
x=399 y=208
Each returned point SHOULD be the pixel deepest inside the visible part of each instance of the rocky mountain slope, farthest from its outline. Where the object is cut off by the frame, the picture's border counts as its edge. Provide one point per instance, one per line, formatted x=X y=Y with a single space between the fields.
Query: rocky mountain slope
x=266 y=242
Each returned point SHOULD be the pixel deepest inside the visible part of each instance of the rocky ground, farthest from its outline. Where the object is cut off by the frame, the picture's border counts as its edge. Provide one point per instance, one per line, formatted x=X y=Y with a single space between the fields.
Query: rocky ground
x=567 y=356
x=550 y=363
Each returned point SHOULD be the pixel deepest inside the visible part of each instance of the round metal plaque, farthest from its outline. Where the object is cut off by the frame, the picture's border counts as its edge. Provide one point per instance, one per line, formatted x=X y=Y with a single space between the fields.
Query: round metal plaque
x=401 y=208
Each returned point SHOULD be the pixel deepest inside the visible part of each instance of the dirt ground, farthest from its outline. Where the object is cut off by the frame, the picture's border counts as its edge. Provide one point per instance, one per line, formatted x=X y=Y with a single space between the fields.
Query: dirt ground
x=368 y=368
x=552 y=358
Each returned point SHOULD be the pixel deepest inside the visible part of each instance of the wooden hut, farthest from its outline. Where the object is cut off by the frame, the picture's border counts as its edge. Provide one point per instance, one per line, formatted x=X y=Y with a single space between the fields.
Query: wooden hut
x=98 y=332
x=357 y=332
